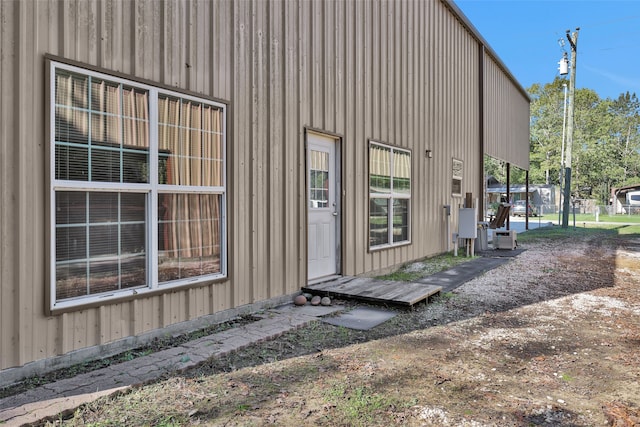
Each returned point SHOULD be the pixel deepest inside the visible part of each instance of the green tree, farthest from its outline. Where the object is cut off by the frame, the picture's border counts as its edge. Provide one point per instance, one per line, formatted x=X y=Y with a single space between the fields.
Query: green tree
x=547 y=107
x=625 y=136
x=591 y=133
x=606 y=140
x=495 y=168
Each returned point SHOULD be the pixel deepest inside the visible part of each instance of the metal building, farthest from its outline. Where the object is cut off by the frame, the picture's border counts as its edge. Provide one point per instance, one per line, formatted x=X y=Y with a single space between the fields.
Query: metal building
x=167 y=164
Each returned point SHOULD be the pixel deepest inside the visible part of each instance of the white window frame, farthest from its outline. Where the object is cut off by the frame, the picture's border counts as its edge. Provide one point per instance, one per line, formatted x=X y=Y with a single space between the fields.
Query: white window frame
x=390 y=197
x=152 y=188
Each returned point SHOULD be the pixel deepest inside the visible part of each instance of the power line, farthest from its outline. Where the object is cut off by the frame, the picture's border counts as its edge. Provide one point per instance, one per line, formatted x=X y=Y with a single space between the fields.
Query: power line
x=612 y=21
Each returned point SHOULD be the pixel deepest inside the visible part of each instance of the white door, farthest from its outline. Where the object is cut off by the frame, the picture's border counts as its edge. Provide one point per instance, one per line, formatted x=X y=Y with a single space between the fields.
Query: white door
x=323 y=207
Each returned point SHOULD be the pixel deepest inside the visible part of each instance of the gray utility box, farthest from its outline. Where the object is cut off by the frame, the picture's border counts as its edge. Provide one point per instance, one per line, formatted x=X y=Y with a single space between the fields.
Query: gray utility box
x=504 y=239
x=467 y=227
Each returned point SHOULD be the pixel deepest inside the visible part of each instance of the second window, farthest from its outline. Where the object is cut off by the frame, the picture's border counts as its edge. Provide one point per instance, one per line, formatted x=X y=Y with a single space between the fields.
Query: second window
x=389 y=196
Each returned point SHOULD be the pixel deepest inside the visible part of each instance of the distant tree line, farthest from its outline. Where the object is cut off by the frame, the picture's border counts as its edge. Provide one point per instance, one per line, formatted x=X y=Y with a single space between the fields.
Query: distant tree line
x=606 y=141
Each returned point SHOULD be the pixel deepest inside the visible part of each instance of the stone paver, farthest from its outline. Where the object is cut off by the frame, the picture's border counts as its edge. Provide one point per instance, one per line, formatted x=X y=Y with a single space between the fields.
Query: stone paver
x=65 y=395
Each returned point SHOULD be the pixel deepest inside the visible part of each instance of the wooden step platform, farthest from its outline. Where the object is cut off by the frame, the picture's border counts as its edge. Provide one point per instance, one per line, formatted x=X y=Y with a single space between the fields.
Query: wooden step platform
x=374 y=290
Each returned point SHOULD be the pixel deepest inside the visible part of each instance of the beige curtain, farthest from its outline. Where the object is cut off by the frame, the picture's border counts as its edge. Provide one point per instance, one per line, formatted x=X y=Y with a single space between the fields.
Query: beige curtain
x=401 y=164
x=136 y=118
x=379 y=161
x=71 y=95
x=119 y=115
x=190 y=141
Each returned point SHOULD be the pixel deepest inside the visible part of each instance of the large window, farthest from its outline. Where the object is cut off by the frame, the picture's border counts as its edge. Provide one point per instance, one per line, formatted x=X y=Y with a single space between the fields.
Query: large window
x=389 y=196
x=137 y=187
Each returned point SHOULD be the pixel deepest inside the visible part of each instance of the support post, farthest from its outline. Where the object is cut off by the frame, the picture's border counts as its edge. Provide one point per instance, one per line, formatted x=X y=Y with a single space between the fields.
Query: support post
x=526 y=208
x=508 y=192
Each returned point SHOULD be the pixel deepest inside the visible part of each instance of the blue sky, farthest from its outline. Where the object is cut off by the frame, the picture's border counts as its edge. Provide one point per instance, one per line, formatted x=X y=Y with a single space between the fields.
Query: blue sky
x=525 y=33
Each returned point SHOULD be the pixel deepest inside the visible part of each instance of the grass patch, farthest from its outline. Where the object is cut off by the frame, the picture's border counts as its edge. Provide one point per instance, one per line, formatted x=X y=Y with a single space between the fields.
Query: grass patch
x=629 y=230
x=359 y=406
x=634 y=219
x=566 y=378
x=446 y=296
x=242 y=407
x=425 y=267
x=589 y=229
x=555 y=233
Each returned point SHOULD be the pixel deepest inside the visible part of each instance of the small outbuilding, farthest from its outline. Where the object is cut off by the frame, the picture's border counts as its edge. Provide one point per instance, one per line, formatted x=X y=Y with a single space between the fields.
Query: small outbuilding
x=626 y=200
x=167 y=164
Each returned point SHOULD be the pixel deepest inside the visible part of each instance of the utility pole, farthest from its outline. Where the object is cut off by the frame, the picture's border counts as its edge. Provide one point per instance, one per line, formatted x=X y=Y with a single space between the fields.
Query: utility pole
x=564 y=134
x=573 y=41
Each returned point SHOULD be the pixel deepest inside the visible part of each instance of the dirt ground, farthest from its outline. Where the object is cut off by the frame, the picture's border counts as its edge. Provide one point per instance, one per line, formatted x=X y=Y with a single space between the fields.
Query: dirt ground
x=552 y=338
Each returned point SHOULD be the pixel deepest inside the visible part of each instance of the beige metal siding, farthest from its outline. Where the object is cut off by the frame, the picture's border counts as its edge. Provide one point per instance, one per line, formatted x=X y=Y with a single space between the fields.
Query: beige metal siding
x=417 y=89
x=403 y=73
x=187 y=45
x=506 y=129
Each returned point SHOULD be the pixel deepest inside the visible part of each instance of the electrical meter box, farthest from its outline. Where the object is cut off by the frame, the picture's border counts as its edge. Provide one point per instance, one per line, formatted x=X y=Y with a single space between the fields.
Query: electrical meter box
x=468 y=223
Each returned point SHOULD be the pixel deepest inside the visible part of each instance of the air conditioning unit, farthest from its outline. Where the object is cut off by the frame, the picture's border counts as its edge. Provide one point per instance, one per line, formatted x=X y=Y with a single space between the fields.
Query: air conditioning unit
x=504 y=239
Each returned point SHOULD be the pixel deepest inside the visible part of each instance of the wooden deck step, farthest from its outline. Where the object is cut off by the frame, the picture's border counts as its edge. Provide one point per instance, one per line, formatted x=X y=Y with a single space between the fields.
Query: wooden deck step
x=374 y=290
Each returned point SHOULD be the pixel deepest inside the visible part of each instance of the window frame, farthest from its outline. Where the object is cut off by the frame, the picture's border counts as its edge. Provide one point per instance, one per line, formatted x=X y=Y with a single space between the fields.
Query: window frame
x=391 y=197
x=456 y=177
x=151 y=189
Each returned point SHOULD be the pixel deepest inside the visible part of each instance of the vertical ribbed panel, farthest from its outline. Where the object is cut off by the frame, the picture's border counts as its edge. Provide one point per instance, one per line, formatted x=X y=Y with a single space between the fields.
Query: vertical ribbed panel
x=403 y=73
x=9 y=176
x=506 y=117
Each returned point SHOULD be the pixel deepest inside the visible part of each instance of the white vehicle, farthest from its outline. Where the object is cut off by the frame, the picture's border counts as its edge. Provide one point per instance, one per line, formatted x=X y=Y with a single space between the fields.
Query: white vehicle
x=633 y=198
